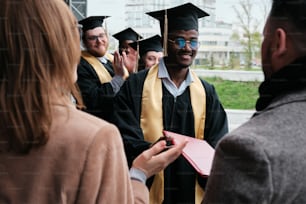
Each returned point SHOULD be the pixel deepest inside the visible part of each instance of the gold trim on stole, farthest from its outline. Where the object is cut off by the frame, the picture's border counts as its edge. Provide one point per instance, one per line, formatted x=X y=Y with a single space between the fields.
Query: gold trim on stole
x=101 y=71
x=151 y=121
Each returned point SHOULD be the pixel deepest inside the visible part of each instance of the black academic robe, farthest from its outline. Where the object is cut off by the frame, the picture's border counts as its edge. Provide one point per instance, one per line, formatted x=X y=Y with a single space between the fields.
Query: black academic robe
x=98 y=98
x=179 y=177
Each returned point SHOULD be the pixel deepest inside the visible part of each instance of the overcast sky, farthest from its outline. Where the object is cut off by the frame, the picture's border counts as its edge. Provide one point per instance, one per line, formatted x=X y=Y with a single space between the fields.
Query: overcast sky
x=224 y=11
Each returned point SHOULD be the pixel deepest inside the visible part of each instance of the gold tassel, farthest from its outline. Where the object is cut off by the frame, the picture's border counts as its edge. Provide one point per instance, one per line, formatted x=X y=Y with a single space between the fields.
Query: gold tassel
x=165 y=43
x=137 y=55
x=105 y=27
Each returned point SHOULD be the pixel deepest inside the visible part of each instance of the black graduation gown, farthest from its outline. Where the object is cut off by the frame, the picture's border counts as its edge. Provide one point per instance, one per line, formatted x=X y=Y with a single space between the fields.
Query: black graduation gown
x=179 y=177
x=98 y=98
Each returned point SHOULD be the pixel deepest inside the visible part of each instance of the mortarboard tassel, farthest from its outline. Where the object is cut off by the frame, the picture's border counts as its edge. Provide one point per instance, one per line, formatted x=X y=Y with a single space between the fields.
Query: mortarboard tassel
x=165 y=43
x=137 y=59
x=105 y=28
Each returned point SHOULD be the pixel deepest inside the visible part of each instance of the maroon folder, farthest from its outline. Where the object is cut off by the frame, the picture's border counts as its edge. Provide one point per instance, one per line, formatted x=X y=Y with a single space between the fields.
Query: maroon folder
x=197 y=152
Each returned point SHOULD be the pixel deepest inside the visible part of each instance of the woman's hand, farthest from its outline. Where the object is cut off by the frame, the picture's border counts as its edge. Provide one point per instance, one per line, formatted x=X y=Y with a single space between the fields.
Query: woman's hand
x=156 y=159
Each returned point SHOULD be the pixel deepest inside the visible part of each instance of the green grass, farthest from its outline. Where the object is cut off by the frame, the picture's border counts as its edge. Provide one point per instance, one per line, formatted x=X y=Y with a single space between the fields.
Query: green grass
x=235 y=95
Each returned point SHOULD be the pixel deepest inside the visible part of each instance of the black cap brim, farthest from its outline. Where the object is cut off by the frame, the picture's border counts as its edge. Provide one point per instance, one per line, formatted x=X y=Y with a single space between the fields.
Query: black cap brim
x=149 y=44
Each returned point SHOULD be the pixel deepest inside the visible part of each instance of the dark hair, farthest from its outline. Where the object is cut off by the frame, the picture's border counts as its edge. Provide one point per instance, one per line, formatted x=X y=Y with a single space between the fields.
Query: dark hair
x=293 y=11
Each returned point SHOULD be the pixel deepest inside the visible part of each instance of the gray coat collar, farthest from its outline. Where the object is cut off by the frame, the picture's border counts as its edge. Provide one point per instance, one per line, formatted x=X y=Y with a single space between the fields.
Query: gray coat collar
x=285 y=99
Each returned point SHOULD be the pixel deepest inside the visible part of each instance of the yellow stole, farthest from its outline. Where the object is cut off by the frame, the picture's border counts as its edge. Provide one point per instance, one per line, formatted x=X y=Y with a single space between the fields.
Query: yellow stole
x=99 y=68
x=151 y=121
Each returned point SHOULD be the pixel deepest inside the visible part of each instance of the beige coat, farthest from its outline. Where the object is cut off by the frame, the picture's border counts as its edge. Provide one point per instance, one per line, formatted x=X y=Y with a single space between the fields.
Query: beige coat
x=83 y=162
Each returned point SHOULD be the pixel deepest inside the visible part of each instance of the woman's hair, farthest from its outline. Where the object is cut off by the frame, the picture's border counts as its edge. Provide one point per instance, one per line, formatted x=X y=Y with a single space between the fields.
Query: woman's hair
x=39 y=52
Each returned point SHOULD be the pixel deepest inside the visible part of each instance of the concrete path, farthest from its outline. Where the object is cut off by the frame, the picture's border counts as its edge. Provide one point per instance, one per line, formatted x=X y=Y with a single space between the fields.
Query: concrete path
x=232 y=75
x=238 y=117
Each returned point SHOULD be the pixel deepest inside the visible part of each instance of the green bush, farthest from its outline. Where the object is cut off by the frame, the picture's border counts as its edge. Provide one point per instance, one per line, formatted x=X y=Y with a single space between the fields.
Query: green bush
x=235 y=95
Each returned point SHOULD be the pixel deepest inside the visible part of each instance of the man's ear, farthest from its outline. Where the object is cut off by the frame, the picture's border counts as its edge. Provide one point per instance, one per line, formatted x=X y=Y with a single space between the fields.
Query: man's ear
x=283 y=50
x=280 y=43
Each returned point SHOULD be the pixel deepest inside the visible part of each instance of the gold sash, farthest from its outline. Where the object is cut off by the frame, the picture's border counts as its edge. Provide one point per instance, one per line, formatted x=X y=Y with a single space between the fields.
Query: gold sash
x=152 y=122
x=101 y=71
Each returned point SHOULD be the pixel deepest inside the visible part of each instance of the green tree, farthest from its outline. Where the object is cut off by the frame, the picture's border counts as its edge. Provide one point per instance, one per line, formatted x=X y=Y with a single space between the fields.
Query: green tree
x=233 y=61
x=212 y=61
x=249 y=25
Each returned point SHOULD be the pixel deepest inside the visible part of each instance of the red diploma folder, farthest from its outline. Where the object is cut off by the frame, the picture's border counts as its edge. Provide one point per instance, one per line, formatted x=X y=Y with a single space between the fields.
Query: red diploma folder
x=197 y=152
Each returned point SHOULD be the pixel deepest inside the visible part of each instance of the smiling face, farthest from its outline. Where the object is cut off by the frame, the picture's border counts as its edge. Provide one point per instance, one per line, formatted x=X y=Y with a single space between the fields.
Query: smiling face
x=181 y=57
x=151 y=58
x=96 y=41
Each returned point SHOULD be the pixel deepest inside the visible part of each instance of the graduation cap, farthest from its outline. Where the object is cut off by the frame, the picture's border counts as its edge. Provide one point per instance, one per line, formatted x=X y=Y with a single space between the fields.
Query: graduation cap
x=149 y=44
x=127 y=34
x=92 y=22
x=182 y=17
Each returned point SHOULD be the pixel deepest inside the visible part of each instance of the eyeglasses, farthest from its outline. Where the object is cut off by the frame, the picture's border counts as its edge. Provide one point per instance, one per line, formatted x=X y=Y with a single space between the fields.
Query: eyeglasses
x=95 y=37
x=80 y=27
x=181 y=43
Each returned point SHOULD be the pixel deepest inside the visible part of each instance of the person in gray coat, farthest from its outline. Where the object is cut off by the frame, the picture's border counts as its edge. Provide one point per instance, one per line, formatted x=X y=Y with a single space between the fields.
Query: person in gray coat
x=263 y=161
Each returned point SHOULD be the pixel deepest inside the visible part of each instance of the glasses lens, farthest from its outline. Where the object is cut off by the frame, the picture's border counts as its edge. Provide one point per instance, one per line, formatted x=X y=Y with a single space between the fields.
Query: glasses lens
x=193 y=44
x=92 y=38
x=180 y=42
x=95 y=37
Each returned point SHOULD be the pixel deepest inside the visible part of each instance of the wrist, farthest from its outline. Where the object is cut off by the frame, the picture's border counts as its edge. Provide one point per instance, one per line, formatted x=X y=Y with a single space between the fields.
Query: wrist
x=137 y=174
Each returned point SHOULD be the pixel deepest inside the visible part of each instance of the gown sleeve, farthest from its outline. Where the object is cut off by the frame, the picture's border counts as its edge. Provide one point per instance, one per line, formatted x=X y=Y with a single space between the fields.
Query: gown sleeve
x=216 y=123
x=126 y=116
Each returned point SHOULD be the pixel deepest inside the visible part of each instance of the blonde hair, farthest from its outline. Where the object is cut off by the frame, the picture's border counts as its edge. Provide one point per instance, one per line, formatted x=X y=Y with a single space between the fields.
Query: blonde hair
x=39 y=52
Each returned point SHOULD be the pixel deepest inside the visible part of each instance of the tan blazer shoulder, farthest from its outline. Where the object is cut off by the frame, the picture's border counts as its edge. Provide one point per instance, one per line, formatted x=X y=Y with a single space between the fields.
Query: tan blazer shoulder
x=83 y=162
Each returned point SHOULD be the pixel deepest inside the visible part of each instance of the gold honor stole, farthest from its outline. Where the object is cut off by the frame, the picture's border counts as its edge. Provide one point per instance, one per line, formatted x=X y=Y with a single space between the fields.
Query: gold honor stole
x=151 y=121
x=103 y=74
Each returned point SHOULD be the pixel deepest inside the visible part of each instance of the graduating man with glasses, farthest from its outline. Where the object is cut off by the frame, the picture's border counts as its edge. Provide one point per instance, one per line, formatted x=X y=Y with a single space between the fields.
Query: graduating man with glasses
x=98 y=77
x=170 y=96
